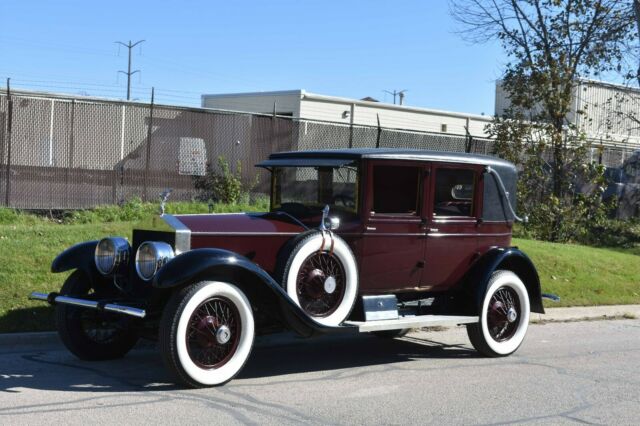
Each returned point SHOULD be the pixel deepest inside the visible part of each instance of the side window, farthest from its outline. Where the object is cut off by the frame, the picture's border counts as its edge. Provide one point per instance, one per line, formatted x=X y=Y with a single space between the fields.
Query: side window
x=396 y=190
x=454 y=191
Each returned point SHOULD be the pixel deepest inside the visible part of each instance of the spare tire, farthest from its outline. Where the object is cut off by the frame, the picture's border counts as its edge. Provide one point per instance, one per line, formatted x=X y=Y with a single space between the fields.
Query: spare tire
x=320 y=274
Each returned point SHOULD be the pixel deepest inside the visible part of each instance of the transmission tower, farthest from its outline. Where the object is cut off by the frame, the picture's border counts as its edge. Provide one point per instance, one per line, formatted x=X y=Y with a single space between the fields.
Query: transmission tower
x=129 y=73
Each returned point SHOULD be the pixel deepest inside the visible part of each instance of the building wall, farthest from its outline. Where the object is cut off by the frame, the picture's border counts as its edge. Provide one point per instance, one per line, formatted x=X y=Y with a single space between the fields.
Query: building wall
x=286 y=103
x=603 y=111
x=311 y=106
x=392 y=116
x=608 y=112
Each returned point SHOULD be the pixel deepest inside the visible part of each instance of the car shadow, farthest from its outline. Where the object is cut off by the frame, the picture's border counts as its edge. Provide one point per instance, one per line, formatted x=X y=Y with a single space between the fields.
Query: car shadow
x=142 y=369
x=337 y=353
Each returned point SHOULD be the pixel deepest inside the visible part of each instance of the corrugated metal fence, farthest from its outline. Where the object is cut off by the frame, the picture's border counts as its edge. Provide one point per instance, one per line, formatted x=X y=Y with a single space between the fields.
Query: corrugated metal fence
x=69 y=153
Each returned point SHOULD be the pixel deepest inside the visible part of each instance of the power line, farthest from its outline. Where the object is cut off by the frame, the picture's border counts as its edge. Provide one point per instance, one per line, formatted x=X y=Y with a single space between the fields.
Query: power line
x=395 y=93
x=129 y=73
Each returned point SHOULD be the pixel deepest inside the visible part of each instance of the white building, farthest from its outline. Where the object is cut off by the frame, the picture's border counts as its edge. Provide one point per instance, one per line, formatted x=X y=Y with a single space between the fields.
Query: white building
x=310 y=106
x=609 y=114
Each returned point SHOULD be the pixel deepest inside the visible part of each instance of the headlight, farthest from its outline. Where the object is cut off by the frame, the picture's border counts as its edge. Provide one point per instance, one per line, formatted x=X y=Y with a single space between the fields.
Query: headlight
x=151 y=256
x=111 y=254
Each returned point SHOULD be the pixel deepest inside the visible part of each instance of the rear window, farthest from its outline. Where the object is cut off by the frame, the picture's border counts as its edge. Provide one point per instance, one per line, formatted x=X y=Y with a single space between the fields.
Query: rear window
x=454 y=192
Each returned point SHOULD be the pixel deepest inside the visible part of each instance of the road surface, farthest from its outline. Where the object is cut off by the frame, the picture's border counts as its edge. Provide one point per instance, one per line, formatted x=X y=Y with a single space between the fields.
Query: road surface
x=565 y=373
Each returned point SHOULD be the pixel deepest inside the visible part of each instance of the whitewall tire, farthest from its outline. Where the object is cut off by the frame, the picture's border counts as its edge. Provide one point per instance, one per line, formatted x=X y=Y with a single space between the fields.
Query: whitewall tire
x=504 y=317
x=321 y=276
x=206 y=333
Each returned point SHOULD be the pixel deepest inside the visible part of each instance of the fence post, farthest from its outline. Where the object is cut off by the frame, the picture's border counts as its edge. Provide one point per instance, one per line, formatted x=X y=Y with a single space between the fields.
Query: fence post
x=70 y=151
x=379 y=132
x=353 y=110
x=148 y=156
x=9 y=126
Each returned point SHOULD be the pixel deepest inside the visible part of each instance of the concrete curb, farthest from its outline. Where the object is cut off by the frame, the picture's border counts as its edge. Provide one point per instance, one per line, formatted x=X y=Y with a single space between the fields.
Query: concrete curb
x=586 y=313
x=582 y=313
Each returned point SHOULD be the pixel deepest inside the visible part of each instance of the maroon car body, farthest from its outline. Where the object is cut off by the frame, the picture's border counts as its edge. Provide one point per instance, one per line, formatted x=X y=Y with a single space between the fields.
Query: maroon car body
x=376 y=240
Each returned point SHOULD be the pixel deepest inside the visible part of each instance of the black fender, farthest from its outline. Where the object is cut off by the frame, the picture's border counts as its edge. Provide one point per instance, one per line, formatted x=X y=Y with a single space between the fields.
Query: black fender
x=261 y=289
x=79 y=256
x=511 y=259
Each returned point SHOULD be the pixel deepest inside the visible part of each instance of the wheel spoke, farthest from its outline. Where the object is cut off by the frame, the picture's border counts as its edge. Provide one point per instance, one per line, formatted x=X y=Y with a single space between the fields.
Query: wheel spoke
x=502 y=301
x=202 y=342
x=310 y=286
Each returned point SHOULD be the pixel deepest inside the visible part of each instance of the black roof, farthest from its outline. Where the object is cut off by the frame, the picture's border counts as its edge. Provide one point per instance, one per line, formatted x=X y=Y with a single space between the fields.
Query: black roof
x=389 y=154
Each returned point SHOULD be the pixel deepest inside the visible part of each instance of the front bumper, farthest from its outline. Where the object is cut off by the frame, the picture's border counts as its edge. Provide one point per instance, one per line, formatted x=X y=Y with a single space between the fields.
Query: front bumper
x=55 y=298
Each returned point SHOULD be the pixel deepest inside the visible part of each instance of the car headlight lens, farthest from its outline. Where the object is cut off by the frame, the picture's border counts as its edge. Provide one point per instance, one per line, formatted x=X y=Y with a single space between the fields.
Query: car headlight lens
x=150 y=257
x=111 y=254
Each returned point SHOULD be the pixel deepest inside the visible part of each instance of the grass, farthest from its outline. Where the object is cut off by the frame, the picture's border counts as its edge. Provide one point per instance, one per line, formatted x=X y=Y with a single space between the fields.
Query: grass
x=585 y=276
x=28 y=244
x=579 y=275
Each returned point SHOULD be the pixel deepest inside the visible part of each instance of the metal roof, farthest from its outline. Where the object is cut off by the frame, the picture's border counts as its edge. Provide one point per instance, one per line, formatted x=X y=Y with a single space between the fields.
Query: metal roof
x=395 y=154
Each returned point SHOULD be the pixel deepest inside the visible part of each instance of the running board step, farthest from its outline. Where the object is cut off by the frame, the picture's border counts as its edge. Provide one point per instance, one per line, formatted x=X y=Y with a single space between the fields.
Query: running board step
x=411 y=322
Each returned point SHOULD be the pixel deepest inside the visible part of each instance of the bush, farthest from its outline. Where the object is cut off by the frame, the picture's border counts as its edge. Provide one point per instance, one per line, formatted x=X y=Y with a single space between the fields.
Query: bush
x=224 y=185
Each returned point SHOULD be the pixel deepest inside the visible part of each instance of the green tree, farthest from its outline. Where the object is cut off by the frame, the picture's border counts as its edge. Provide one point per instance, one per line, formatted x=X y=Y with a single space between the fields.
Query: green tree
x=550 y=45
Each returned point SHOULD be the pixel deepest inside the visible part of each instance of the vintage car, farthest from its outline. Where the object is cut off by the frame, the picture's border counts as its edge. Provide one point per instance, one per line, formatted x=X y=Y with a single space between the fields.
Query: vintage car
x=356 y=240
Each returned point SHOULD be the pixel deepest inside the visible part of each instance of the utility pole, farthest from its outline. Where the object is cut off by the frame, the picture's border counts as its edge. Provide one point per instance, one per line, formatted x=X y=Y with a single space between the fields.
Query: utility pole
x=129 y=73
x=395 y=93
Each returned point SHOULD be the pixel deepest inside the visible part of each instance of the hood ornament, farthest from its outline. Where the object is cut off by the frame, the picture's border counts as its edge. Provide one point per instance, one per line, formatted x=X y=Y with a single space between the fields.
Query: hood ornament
x=164 y=196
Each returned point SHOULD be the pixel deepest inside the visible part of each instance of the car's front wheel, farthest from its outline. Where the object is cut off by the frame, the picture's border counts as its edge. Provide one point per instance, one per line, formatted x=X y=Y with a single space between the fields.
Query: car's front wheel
x=504 y=317
x=89 y=334
x=206 y=333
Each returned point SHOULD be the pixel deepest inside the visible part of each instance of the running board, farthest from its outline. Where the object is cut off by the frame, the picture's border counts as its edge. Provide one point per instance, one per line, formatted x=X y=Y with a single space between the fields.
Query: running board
x=411 y=322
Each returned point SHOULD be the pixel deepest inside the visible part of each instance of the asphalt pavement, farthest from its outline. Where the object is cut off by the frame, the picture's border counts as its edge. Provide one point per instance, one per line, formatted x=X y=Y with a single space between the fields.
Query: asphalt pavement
x=573 y=372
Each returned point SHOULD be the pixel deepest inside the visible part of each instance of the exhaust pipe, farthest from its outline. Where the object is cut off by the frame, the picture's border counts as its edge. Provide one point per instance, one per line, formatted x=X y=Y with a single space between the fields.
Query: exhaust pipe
x=54 y=298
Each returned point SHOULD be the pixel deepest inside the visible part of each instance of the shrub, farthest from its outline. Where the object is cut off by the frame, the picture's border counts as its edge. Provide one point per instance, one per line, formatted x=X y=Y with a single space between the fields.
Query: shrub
x=224 y=185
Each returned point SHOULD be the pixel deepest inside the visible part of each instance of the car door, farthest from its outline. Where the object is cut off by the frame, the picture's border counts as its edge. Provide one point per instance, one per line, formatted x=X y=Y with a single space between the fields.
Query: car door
x=453 y=208
x=393 y=240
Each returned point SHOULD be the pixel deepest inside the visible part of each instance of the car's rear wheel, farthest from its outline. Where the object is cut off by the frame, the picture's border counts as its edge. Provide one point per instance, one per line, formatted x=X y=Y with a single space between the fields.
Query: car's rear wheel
x=504 y=317
x=90 y=334
x=320 y=275
x=206 y=333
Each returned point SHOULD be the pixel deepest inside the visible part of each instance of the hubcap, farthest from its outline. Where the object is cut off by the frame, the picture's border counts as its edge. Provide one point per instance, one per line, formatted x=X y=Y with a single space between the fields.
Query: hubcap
x=213 y=332
x=223 y=335
x=321 y=283
x=503 y=314
x=330 y=285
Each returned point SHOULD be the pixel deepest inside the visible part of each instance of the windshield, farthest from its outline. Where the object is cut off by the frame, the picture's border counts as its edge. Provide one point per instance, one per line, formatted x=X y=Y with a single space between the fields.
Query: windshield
x=304 y=191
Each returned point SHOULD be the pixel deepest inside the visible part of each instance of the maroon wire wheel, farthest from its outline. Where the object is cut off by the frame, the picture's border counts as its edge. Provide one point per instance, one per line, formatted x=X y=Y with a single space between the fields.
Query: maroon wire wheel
x=503 y=314
x=213 y=333
x=321 y=284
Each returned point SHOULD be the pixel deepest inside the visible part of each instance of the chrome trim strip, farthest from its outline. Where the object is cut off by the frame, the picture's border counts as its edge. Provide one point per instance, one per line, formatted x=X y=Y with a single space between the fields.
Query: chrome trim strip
x=391 y=234
x=250 y=234
x=473 y=234
x=90 y=304
x=183 y=233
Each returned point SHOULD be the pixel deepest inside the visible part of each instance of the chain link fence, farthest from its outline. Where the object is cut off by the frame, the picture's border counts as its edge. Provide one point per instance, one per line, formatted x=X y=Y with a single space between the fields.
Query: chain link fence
x=70 y=153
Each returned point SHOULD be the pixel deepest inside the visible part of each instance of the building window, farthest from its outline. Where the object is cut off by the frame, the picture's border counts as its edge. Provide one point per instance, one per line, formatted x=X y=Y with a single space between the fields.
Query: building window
x=443 y=128
x=454 y=192
x=396 y=190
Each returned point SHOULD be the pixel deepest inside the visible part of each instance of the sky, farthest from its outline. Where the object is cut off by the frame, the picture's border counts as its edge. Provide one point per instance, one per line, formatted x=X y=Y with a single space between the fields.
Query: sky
x=348 y=48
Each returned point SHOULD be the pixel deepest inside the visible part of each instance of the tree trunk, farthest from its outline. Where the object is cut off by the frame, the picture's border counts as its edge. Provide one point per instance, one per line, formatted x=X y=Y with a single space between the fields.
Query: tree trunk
x=636 y=7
